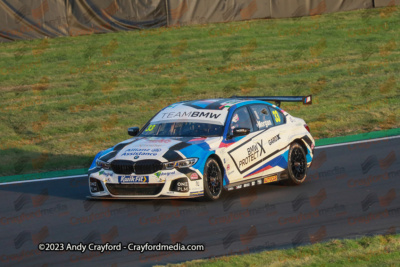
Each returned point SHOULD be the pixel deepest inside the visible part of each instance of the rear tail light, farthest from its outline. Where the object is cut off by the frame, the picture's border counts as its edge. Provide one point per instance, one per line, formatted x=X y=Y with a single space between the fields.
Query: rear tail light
x=306 y=126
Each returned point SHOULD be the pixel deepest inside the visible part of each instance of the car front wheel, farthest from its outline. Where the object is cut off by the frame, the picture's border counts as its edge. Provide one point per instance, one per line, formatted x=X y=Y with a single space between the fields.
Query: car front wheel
x=212 y=180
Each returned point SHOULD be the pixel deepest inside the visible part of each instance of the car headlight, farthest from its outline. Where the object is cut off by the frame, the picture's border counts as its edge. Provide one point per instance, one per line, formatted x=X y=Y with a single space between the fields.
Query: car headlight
x=103 y=164
x=179 y=164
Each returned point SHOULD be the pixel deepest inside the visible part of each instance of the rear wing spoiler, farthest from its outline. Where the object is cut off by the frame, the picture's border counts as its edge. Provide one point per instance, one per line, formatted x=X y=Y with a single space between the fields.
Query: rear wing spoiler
x=307 y=100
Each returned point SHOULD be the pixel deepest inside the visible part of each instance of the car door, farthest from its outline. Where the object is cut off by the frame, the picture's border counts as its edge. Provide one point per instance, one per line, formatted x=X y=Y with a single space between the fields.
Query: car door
x=272 y=123
x=247 y=152
x=238 y=152
x=264 y=129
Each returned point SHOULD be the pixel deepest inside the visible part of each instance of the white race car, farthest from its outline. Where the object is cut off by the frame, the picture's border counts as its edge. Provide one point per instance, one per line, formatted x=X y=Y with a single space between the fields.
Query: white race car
x=200 y=148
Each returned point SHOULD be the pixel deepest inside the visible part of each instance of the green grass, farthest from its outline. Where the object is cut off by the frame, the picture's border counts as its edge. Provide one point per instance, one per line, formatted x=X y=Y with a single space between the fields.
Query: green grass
x=62 y=100
x=366 y=251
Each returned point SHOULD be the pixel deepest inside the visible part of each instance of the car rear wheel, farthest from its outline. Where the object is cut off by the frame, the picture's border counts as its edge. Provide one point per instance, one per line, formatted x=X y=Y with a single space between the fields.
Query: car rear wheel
x=212 y=180
x=297 y=164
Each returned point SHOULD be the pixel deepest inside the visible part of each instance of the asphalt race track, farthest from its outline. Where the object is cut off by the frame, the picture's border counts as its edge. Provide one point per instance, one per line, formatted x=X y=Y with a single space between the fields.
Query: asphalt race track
x=351 y=190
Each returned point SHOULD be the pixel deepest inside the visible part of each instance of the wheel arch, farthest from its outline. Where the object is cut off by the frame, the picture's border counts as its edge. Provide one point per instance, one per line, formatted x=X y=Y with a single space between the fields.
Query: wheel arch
x=219 y=161
x=301 y=143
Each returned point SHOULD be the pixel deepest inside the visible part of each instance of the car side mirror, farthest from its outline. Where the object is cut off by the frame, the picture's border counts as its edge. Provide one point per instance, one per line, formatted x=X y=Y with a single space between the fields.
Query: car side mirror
x=240 y=131
x=133 y=131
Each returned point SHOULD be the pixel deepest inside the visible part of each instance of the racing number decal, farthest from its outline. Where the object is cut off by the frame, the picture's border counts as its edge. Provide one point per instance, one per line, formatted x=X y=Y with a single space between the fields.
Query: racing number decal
x=150 y=128
x=276 y=115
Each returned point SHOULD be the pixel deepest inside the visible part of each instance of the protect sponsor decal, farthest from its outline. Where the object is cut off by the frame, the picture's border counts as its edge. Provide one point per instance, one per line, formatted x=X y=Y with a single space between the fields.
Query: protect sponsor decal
x=131 y=179
x=270 y=179
x=243 y=160
x=185 y=113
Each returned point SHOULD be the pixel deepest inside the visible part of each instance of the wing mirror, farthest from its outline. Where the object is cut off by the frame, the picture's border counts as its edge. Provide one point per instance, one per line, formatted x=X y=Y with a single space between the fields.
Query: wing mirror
x=240 y=131
x=133 y=131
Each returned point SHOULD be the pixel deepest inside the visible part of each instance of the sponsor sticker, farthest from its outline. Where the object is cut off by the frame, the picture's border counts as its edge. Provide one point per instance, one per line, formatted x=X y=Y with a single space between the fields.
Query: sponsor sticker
x=194 y=176
x=246 y=185
x=255 y=152
x=238 y=186
x=106 y=173
x=182 y=187
x=185 y=113
x=262 y=124
x=161 y=174
x=197 y=193
x=259 y=182
x=270 y=179
x=274 y=139
x=141 y=152
x=130 y=179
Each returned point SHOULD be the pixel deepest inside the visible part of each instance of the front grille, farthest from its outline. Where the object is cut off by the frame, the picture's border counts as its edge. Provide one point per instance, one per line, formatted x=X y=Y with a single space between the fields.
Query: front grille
x=122 y=166
x=139 y=167
x=134 y=189
x=147 y=166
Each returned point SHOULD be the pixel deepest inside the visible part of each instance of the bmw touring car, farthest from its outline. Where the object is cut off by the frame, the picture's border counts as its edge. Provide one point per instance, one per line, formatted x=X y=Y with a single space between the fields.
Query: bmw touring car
x=200 y=148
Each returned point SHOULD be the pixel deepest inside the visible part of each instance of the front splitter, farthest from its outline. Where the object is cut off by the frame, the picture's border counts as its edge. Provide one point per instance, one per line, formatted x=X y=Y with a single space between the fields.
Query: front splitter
x=141 y=198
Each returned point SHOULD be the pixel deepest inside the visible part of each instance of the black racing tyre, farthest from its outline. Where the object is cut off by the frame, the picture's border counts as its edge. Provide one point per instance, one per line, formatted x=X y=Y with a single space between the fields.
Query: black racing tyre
x=212 y=180
x=297 y=164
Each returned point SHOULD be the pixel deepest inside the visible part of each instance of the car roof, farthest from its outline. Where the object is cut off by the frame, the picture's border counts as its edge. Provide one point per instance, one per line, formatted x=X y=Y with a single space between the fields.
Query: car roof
x=218 y=103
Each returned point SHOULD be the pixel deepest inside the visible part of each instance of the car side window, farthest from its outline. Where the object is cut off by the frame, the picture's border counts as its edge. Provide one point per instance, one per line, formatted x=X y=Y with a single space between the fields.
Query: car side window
x=278 y=116
x=262 y=116
x=240 y=119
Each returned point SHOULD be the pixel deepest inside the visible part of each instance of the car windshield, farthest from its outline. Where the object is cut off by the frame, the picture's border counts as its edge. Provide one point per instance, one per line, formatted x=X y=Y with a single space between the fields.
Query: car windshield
x=183 y=129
